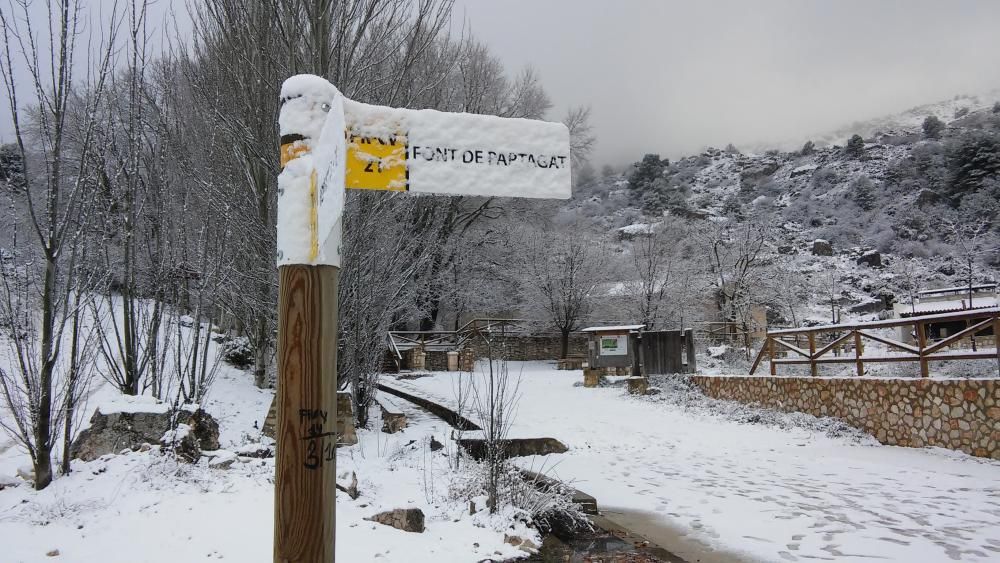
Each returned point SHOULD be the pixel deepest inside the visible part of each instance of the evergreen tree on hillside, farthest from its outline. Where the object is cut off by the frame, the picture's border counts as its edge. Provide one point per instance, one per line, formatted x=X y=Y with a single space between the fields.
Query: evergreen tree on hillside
x=973 y=158
x=808 y=148
x=646 y=171
x=933 y=127
x=996 y=107
x=855 y=146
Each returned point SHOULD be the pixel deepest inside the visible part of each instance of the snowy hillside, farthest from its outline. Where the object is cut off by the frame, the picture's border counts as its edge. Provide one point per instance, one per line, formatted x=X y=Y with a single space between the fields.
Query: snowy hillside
x=897 y=210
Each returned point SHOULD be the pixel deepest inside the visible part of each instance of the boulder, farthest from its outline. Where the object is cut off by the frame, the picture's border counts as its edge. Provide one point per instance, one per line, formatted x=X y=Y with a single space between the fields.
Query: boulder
x=221 y=459
x=871 y=259
x=523 y=544
x=406 y=519
x=182 y=442
x=204 y=426
x=128 y=424
x=822 y=247
x=260 y=451
x=435 y=445
x=7 y=481
x=786 y=249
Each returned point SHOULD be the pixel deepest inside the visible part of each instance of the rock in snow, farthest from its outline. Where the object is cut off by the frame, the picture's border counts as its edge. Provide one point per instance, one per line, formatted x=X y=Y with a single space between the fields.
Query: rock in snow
x=406 y=519
x=822 y=248
x=112 y=430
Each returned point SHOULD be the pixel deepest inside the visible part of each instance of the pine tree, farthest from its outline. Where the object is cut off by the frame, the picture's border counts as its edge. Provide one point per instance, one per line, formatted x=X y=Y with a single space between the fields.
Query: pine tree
x=646 y=171
x=855 y=146
x=808 y=148
x=933 y=127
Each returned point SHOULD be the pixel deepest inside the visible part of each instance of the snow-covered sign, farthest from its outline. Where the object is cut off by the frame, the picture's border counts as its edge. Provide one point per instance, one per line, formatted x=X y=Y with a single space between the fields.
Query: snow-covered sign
x=428 y=151
x=330 y=143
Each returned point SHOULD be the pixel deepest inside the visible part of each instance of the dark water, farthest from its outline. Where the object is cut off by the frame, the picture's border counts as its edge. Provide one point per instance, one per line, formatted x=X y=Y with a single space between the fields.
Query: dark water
x=601 y=546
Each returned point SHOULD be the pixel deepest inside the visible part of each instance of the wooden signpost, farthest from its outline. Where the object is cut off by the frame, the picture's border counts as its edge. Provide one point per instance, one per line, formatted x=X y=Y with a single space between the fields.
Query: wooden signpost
x=329 y=144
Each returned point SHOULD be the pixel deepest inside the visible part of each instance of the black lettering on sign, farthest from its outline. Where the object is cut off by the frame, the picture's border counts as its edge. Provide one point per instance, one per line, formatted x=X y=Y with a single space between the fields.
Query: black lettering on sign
x=319 y=448
x=474 y=156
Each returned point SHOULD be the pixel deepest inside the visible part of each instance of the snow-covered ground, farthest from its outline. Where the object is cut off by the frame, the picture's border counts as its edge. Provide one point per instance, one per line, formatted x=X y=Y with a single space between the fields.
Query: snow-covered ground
x=144 y=507
x=762 y=492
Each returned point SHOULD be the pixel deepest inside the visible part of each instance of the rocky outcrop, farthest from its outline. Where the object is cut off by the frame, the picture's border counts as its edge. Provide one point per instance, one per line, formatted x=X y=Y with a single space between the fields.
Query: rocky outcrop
x=515 y=447
x=113 y=429
x=872 y=259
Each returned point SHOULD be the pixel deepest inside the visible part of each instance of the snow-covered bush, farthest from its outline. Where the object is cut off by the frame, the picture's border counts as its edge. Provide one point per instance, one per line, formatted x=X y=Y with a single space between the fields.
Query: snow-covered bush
x=238 y=352
x=538 y=501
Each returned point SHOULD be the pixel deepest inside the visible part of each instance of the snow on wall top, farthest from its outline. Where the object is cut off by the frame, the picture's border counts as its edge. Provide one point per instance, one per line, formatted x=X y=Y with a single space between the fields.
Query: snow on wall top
x=612 y=328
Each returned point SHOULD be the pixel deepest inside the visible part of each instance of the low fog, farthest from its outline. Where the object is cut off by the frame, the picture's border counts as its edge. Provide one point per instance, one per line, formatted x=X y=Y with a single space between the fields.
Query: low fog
x=675 y=77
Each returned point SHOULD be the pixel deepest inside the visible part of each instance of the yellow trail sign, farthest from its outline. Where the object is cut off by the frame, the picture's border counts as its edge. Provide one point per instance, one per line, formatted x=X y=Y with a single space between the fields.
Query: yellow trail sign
x=375 y=163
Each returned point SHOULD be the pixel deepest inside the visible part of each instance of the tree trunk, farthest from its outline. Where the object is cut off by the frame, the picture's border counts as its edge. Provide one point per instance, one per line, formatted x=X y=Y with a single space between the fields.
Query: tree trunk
x=564 y=344
x=260 y=355
x=43 y=427
x=74 y=377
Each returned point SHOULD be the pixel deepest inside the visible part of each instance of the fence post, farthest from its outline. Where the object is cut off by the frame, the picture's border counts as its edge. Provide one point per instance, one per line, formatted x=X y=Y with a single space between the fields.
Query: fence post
x=770 y=355
x=859 y=364
x=922 y=343
x=996 y=339
x=813 y=368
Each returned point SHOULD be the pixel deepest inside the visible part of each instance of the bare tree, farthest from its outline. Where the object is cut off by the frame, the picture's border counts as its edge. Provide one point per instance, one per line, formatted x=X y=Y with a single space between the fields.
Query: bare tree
x=378 y=285
x=581 y=136
x=562 y=275
x=653 y=260
x=494 y=401
x=737 y=254
x=36 y=305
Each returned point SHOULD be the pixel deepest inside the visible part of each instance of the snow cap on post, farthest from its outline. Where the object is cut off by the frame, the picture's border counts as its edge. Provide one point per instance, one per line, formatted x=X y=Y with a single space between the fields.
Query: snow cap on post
x=311 y=183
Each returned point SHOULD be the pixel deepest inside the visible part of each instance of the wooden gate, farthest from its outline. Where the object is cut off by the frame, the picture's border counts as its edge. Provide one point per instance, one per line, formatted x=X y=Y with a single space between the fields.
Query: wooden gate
x=668 y=351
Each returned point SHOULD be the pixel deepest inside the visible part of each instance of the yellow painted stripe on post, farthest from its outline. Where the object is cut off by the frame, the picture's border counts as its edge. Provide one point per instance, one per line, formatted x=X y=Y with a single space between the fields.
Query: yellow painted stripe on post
x=290 y=151
x=313 y=219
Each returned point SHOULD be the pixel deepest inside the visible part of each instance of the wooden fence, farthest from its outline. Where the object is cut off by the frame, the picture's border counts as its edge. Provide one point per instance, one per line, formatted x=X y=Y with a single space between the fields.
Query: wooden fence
x=845 y=343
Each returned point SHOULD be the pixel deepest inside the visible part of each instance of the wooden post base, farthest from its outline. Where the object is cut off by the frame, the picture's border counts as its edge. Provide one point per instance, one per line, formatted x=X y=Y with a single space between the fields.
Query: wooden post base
x=305 y=457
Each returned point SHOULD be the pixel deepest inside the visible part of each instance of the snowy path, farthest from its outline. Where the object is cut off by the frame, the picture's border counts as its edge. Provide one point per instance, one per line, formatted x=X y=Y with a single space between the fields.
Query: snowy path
x=753 y=490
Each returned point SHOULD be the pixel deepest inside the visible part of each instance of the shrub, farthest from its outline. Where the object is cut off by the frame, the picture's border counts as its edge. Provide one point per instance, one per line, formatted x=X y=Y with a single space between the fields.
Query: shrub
x=238 y=352
x=863 y=193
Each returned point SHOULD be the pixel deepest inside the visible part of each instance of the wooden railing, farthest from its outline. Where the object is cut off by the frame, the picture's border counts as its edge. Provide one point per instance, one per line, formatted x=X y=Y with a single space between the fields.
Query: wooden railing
x=845 y=343
x=447 y=340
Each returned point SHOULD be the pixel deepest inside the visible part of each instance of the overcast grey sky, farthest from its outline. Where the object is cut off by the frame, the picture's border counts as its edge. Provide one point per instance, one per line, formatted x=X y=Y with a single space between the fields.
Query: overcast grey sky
x=673 y=76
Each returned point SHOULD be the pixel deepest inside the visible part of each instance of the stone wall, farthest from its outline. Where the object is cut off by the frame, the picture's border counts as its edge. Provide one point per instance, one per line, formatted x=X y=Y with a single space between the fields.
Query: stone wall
x=436 y=361
x=521 y=348
x=959 y=414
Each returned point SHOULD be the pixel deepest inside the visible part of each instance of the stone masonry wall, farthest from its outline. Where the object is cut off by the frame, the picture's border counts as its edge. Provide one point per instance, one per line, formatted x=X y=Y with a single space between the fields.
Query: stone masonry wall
x=959 y=414
x=520 y=348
